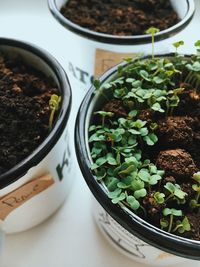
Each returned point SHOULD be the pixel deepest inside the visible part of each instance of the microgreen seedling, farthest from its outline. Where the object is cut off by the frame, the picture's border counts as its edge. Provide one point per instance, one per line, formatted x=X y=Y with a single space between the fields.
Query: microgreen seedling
x=194 y=203
x=196 y=177
x=173 y=99
x=152 y=31
x=134 y=204
x=182 y=226
x=54 y=103
x=175 y=191
x=159 y=197
x=177 y=45
x=97 y=84
x=172 y=212
x=104 y=114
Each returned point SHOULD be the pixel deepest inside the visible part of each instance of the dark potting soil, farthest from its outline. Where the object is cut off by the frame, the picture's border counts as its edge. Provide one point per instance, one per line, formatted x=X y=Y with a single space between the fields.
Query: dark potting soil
x=24 y=110
x=116 y=17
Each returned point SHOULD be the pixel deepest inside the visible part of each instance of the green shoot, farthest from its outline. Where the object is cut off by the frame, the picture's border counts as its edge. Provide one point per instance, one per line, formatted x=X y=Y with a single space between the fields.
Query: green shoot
x=196 y=177
x=172 y=212
x=152 y=31
x=175 y=192
x=54 y=103
x=104 y=114
x=177 y=45
x=159 y=197
x=97 y=84
x=182 y=226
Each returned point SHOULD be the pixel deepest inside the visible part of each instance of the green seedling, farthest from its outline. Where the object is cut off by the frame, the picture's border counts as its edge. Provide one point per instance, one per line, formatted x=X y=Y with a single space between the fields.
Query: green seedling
x=54 y=103
x=159 y=197
x=173 y=99
x=152 y=31
x=133 y=202
x=97 y=84
x=196 y=177
x=104 y=115
x=182 y=226
x=193 y=76
x=194 y=203
x=174 y=191
x=177 y=45
x=172 y=213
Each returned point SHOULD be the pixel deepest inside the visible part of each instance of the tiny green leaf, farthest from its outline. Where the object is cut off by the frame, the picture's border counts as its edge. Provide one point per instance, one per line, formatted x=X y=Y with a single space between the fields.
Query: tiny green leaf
x=151 y=139
x=157 y=107
x=112 y=183
x=152 y=30
x=196 y=188
x=54 y=103
x=164 y=223
x=105 y=114
x=97 y=84
x=186 y=224
x=101 y=174
x=140 y=193
x=159 y=197
x=144 y=175
x=178 y=44
x=101 y=161
x=173 y=212
x=144 y=74
x=196 y=177
x=197 y=43
x=121 y=197
x=134 y=204
x=115 y=193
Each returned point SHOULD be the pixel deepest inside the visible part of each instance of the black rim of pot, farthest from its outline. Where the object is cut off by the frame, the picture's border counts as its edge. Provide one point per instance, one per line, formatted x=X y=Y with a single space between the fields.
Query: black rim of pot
x=122 y=40
x=45 y=147
x=134 y=224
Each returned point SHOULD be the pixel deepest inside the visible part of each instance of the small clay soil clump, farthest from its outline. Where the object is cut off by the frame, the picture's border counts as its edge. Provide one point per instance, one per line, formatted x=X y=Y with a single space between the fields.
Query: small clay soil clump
x=176 y=131
x=116 y=106
x=177 y=163
x=121 y=18
x=24 y=110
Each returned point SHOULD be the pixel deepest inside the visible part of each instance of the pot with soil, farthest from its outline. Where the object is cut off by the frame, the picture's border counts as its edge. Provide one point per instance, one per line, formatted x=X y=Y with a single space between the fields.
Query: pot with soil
x=99 y=35
x=35 y=162
x=137 y=143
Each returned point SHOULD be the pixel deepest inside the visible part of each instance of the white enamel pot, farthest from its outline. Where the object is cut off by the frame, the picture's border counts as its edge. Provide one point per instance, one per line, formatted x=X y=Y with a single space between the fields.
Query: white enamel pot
x=89 y=53
x=132 y=235
x=33 y=190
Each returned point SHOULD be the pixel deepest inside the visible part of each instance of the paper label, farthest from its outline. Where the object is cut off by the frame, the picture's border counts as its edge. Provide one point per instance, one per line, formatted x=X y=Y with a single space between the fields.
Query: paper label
x=104 y=60
x=19 y=196
x=164 y=255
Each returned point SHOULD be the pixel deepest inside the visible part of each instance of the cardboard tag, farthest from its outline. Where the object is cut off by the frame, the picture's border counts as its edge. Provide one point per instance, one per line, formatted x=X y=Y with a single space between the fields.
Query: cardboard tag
x=104 y=60
x=19 y=196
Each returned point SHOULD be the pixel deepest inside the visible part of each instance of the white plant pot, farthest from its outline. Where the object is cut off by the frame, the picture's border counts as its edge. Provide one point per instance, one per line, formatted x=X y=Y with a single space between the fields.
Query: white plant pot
x=34 y=189
x=125 y=230
x=89 y=53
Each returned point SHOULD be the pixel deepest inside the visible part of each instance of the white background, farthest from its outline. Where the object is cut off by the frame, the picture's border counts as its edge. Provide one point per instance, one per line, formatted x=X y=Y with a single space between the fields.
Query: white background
x=70 y=237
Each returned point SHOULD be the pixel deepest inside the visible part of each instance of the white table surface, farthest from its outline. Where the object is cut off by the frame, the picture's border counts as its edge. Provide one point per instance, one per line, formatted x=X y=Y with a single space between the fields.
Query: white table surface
x=70 y=237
